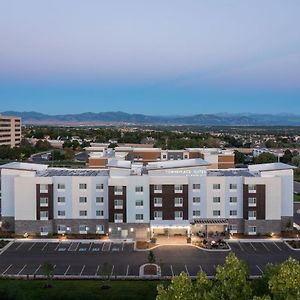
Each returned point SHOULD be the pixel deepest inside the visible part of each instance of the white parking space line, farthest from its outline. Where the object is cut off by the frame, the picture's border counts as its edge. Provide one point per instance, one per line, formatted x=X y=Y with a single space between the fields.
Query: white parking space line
x=253 y=247
x=19 y=246
x=241 y=246
x=201 y=270
x=96 y=273
x=123 y=246
x=172 y=270
x=277 y=246
x=6 y=269
x=22 y=269
x=82 y=270
x=31 y=246
x=102 y=246
x=37 y=269
x=109 y=247
x=67 y=270
x=57 y=247
x=127 y=270
x=187 y=271
x=260 y=270
x=266 y=247
x=112 y=270
x=90 y=246
x=44 y=247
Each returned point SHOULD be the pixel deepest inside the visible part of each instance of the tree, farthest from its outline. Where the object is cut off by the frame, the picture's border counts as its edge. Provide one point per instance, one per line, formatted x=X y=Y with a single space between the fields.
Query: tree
x=47 y=270
x=287 y=157
x=265 y=158
x=239 y=157
x=42 y=145
x=180 y=288
x=151 y=257
x=232 y=280
x=285 y=285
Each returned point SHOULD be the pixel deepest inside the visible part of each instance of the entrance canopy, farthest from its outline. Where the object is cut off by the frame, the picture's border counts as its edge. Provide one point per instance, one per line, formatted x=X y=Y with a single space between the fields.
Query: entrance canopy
x=210 y=221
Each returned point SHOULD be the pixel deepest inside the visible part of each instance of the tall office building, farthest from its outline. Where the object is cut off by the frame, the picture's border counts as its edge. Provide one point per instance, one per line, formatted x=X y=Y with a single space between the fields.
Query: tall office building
x=10 y=131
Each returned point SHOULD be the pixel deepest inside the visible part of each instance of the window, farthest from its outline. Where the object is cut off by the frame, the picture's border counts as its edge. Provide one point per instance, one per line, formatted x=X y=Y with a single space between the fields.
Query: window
x=216 y=200
x=83 y=229
x=139 y=189
x=232 y=228
x=118 y=218
x=82 y=199
x=61 y=213
x=139 y=203
x=44 y=230
x=61 y=186
x=178 y=215
x=233 y=213
x=118 y=189
x=157 y=202
x=196 y=200
x=118 y=204
x=252 y=201
x=233 y=200
x=196 y=186
x=196 y=213
x=61 y=200
x=83 y=213
x=99 y=200
x=178 y=202
x=251 y=230
x=44 y=188
x=252 y=188
x=139 y=217
x=99 y=229
x=99 y=186
x=82 y=186
x=44 y=215
x=216 y=186
x=252 y=214
x=233 y=186
x=164 y=156
x=158 y=215
x=61 y=228
x=99 y=213
x=157 y=188
x=216 y=213
x=44 y=202
x=178 y=188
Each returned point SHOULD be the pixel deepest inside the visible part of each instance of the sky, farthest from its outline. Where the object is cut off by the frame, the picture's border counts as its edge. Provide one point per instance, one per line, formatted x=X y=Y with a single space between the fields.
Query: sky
x=153 y=57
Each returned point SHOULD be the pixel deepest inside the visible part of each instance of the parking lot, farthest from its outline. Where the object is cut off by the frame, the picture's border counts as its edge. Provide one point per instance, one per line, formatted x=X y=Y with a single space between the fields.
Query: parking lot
x=85 y=259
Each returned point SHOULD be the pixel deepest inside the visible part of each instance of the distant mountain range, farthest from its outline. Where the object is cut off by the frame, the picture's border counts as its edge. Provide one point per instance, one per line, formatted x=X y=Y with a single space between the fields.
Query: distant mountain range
x=222 y=119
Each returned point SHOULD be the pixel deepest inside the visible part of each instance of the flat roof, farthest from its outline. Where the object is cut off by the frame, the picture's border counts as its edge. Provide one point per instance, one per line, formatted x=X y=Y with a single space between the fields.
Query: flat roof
x=231 y=172
x=271 y=167
x=169 y=164
x=116 y=163
x=51 y=172
x=24 y=166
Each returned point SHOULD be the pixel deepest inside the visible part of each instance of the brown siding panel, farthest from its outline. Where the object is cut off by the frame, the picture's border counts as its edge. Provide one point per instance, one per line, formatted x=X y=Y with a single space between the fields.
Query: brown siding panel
x=49 y=195
x=111 y=204
x=260 y=196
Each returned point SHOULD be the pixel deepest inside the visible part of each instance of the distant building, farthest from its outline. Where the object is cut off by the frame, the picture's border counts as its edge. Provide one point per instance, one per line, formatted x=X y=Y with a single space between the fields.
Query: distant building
x=10 y=131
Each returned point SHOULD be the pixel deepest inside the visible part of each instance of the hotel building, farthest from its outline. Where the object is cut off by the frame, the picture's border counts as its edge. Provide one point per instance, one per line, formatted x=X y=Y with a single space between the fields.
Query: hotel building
x=135 y=201
x=10 y=131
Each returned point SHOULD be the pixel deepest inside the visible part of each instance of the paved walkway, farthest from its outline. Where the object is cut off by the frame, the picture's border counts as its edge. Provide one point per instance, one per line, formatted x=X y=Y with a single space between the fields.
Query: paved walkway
x=164 y=240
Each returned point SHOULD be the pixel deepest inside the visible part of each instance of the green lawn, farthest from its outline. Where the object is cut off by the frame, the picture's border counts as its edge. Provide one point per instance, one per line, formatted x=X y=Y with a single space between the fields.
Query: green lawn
x=75 y=289
x=296 y=197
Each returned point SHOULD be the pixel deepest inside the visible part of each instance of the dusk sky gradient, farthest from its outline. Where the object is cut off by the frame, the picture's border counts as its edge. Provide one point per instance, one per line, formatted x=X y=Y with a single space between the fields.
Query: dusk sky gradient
x=153 y=57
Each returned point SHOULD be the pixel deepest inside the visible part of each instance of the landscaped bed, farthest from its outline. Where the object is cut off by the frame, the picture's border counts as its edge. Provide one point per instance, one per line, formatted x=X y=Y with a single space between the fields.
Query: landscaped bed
x=212 y=245
x=295 y=244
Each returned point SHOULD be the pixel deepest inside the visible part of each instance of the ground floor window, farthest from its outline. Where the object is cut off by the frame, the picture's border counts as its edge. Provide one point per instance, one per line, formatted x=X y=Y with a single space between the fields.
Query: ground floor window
x=99 y=228
x=83 y=229
x=233 y=228
x=252 y=230
x=61 y=228
x=44 y=230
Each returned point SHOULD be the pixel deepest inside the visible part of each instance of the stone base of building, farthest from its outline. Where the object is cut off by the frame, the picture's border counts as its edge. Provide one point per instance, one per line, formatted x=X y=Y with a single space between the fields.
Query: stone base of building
x=263 y=227
x=32 y=227
x=286 y=223
x=129 y=231
x=8 y=224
